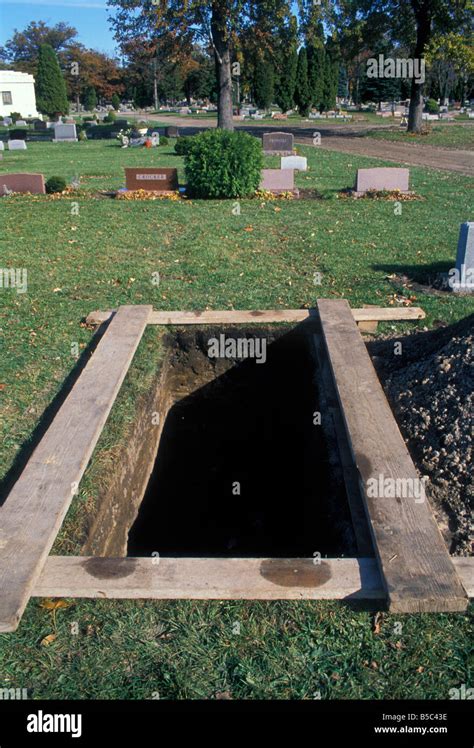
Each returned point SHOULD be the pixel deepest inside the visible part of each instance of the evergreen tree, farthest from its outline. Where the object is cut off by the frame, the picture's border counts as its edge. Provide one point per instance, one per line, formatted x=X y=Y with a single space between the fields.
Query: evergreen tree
x=116 y=101
x=317 y=65
x=90 y=99
x=343 y=83
x=287 y=67
x=51 y=97
x=380 y=89
x=303 y=97
x=264 y=83
x=331 y=77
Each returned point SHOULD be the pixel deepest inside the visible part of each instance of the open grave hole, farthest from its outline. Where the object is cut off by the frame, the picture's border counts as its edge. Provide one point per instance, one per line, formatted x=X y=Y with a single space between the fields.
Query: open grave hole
x=242 y=470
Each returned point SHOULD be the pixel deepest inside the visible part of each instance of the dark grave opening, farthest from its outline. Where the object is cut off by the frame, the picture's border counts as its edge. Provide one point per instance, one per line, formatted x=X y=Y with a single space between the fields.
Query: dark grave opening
x=242 y=470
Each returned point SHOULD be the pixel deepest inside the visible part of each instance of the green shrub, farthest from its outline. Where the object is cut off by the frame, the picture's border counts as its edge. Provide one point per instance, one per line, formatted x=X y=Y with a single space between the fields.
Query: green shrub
x=116 y=101
x=432 y=107
x=15 y=116
x=181 y=145
x=55 y=184
x=110 y=117
x=81 y=135
x=164 y=140
x=223 y=164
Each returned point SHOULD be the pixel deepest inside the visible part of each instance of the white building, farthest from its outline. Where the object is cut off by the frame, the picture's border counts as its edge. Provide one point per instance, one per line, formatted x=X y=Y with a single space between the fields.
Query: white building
x=17 y=94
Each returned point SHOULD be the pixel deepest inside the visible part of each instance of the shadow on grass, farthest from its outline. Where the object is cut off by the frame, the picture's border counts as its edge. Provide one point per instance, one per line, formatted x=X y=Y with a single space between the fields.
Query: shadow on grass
x=424 y=274
x=27 y=449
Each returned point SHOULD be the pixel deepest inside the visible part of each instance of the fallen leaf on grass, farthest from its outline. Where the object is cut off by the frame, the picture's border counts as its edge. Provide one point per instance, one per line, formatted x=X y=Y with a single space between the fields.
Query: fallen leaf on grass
x=54 y=604
x=378 y=623
x=48 y=640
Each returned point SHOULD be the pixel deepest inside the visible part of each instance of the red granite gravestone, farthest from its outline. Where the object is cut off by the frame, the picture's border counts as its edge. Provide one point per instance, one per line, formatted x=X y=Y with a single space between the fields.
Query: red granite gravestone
x=33 y=183
x=382 y=179
x=278 y=181
x=153 y=179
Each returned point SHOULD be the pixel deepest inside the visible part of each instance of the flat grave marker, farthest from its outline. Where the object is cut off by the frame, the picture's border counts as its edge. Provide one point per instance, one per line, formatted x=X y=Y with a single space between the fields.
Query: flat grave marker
x=153 y=179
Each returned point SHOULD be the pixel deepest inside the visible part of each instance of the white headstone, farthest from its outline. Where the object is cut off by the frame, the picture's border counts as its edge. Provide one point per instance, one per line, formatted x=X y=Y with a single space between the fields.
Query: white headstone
x=294 y=162
x=7 y=121
x=155 y=138
x=2 y=147
x=17 y=145
x=21 y=123
x=65 y=133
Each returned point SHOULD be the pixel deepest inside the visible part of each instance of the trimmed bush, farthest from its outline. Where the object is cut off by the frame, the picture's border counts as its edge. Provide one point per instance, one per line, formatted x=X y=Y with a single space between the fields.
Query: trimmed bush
x=432 y=107
x=110 y=117
x=181 y=145
x=55 y=184
x=164 y=140
x=223 y=164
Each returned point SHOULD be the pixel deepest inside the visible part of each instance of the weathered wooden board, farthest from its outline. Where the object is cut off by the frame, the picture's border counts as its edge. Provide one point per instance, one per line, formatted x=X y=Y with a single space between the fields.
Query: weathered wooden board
x=237 y=317
x=413 y=559
x=37 y=504
x=219 y=579
x=329 y=402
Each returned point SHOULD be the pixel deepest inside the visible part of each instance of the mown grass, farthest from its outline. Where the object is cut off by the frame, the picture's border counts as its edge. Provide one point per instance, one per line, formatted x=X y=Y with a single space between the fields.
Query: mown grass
x=208 y=257
x=446 y=136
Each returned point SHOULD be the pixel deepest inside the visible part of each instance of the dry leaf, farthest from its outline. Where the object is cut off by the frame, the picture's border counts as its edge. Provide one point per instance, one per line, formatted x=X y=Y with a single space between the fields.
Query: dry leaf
x=48 y=640
x=54 y=604
x=378 y=623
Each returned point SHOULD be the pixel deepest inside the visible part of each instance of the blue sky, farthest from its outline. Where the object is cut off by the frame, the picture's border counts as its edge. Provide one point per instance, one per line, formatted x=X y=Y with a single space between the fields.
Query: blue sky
x=89 y=17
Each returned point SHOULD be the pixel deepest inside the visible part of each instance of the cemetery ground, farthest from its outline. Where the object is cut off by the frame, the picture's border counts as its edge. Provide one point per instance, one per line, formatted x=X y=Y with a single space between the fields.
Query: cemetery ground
x=208 y=254
x=459 y=136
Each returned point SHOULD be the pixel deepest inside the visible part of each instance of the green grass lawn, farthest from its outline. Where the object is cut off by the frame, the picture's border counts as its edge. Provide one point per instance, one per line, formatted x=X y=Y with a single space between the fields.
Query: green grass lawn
x=207 y=257
x=446 y=136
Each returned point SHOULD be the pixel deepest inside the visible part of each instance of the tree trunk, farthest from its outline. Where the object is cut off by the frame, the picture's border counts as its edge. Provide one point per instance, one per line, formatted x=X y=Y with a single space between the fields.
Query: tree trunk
x=156 y=103
x=423 y=34
x=223 y=66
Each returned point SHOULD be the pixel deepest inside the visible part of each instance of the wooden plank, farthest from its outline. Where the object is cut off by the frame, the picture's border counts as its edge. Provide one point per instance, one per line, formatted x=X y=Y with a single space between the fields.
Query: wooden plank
x=219 y=579
x=413 y=559
x=329 y=403
x=370 y=326
x=208 y=578
x=37 y=504
x=236 y=317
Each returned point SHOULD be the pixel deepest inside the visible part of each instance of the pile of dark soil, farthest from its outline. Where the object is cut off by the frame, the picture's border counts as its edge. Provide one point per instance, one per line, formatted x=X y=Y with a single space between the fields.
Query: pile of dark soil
x=431 y=390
